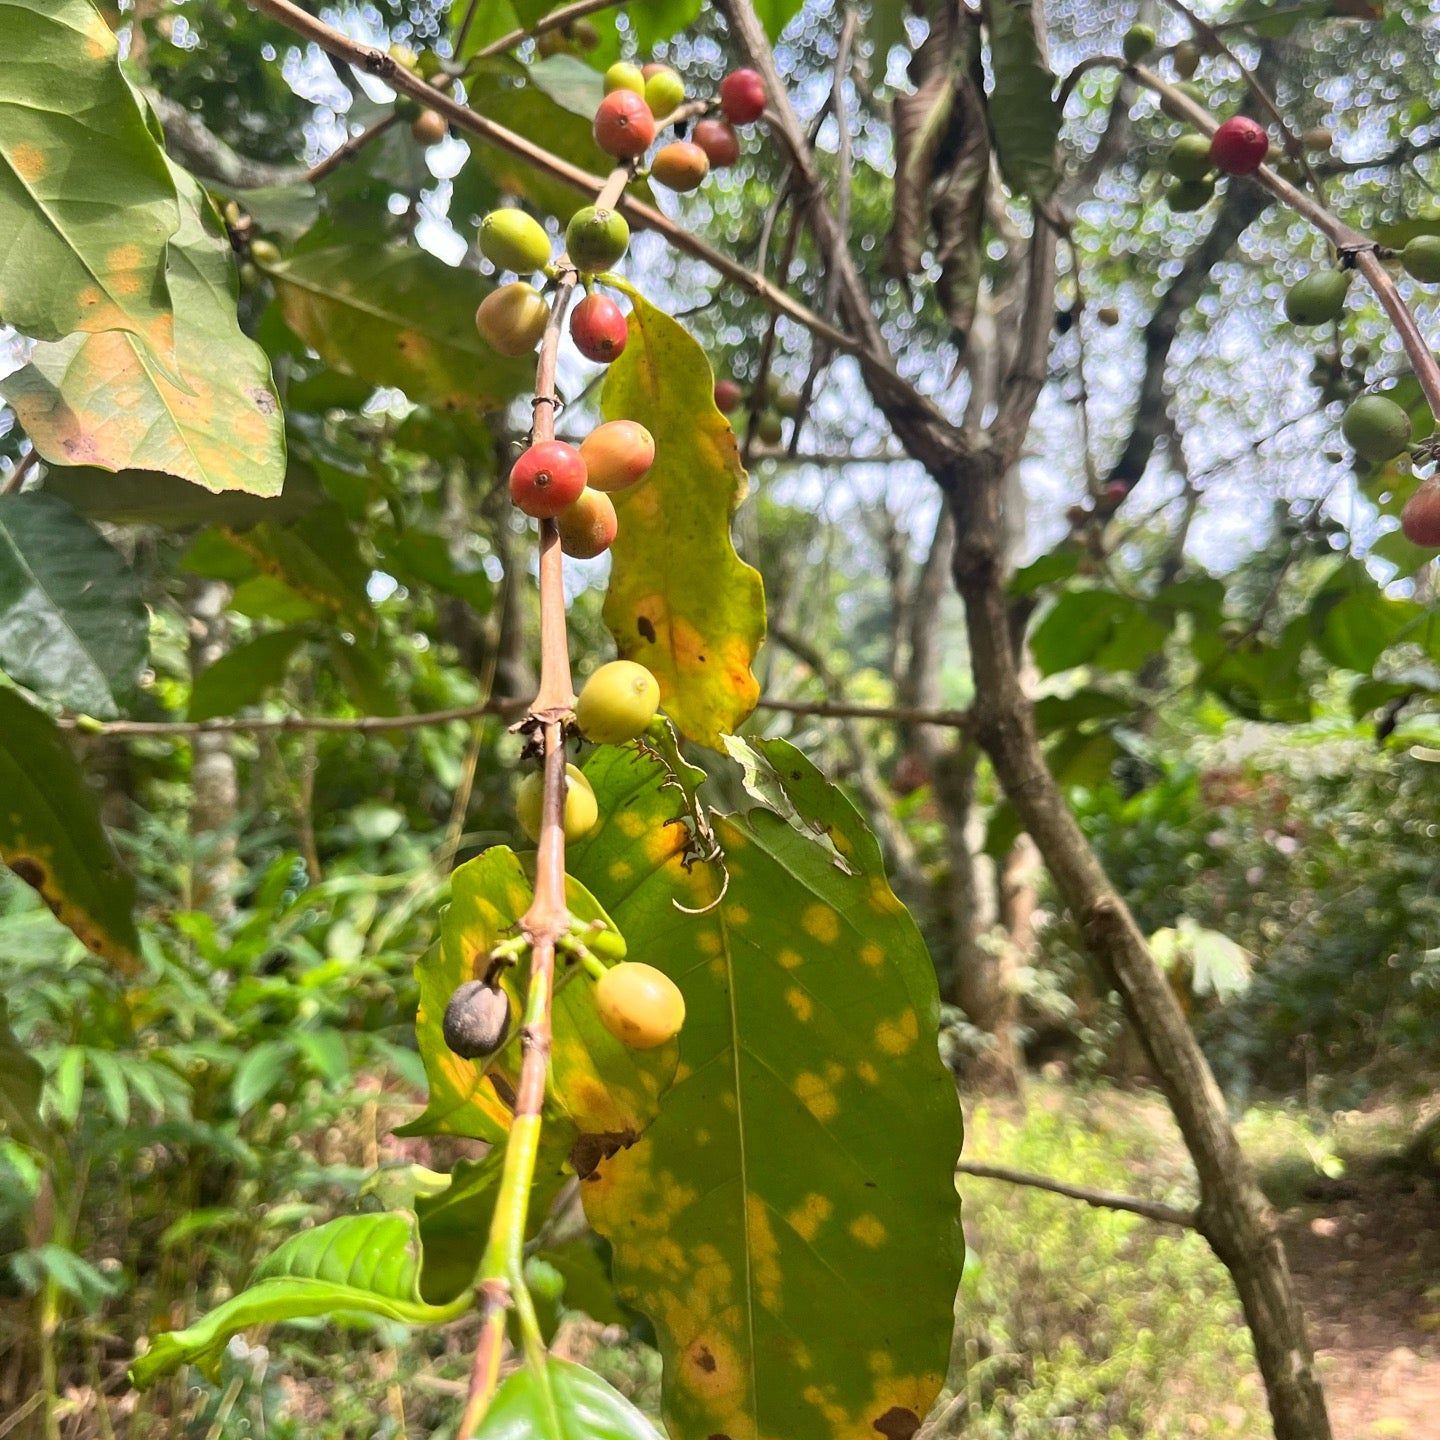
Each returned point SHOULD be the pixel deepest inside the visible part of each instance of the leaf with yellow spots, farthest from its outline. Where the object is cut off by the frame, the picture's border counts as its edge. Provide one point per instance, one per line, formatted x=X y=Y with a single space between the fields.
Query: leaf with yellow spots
x=681 y=601
x=789 y=1223
x=395 y=315
x=87 y=200
x=599 y=1087
x=51 y=836
x=101 y=400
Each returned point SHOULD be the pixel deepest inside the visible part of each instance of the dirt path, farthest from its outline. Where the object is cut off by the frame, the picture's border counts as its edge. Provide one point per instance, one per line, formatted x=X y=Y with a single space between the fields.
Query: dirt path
x=1366 y=1256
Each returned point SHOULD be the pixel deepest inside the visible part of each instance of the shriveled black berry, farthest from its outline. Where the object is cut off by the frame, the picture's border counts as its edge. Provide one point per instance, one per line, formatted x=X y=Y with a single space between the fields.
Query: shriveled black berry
x=476 y=1020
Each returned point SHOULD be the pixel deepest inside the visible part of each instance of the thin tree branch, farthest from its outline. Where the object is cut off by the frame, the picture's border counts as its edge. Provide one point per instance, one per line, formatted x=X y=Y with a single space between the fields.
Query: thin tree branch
x=555 y=20
x=1100 y=1199
x=22 y=467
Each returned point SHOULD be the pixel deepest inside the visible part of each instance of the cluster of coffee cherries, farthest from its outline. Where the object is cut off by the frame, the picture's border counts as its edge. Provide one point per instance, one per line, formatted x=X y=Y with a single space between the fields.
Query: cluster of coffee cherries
x=777 y=404
x=638 y=1004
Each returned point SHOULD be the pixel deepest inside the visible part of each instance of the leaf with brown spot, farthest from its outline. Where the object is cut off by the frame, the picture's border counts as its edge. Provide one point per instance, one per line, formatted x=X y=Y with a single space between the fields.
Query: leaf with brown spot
x=102 y=401
x=681 y=601
x=52 y=838
x=802 y=1165
x=87 y=200
x=395 y=315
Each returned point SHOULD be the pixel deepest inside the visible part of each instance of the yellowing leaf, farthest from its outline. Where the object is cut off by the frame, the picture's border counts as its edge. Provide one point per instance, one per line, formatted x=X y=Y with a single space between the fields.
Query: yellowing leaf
x=681 y=601
x=102 y=401
x=87 y=201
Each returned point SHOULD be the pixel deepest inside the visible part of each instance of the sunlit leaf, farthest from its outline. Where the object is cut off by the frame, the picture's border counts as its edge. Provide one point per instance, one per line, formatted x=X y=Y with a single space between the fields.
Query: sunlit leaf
x=87 y=200
x=73 y=626
x=101 y=400
x=802 y=1166
x=395 y=315
x=681 y=601
x=562 y=1401
x=360 y=1264
x=51 y=836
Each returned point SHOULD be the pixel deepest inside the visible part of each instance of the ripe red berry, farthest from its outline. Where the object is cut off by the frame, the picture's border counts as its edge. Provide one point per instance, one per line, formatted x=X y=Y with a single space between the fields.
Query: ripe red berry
x=624 y=126
x=588 y=528
x=742 y=97
x=719 y=142
x=1420 y=519
x=547 y=479
x=597 y=326
x=1239 y=146
x=728 y=396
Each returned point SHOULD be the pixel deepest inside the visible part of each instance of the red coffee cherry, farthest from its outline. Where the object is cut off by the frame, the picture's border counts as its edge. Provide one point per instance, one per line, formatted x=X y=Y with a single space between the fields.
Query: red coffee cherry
x=547 y=479
x=589 y=526
x=680 y=166
x=728 y=396
x=597 y=326
x=624 y=126
x=1239 y=146
x=617 y=454
x=1420 y=519
x=719 y=142
x=742 y=97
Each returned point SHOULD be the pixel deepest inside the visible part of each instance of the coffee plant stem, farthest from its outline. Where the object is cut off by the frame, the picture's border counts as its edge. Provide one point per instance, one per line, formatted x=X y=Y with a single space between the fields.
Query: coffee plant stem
x=555 y=20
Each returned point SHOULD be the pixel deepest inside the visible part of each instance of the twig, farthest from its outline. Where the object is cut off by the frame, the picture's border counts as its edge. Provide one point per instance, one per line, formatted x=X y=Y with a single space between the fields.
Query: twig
x=22 y=467
x=555 y=20
x=377 y=62
x=1100 y=1199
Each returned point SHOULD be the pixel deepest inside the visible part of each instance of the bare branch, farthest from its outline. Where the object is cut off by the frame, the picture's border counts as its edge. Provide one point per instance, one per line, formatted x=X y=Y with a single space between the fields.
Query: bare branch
x=1100 y=1199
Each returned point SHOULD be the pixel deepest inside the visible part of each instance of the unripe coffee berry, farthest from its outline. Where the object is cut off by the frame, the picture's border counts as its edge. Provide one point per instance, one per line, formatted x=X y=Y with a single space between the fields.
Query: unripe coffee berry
x=1317 y=298
x=624 y=76
x=664 y=91
x=429 y=127
x=617 y=454
x=264 y=254
x=547 y=478
x=513 y=240
x=597 y=326
x=583 y=34
x=582 y=811
x=512 y=319
x=1377 y=428
x=1139 y=41
x=1186 y=58
x=1189 y=158
x=680 y=165
x=476 y=1020
x=769 y=428
x=624 y=125
x=719 y=142
x=589 y=526
x=1239 y=146
x=728 y=396
x=742 y=97
x=617 y=703
x=1186 y=195
x=1420 y=519
x=640 y=1006
x=1421 y=259
x=596 y=239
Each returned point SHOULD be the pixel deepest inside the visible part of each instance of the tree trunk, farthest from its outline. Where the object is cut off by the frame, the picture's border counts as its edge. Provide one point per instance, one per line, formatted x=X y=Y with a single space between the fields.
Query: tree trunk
x=214 y=793
x=1233 y=1215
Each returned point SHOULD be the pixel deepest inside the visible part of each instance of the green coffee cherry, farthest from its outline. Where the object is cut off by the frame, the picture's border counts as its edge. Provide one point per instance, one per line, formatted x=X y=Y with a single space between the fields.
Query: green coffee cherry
x=1186 y=58
x=1138 y=43
x=1189 y=158
x=1318 y=298
x=664 y=91
x=624 y=76
x=596 y=239
x=1421 y=259
x=1186 y=195
x=513 y=240
x=1377 y=428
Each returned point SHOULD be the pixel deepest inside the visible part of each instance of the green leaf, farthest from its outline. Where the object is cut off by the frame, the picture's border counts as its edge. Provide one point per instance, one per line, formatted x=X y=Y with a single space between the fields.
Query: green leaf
x=562 y=1401
x=395 y=315
x=802 y=1166
x=244 y=675
x=1097 y=627
x=775 y=15
x=1357 y=629
x=87 y=200
x=101 y=401
x=259 y=1072
x=51 y=836
x=73 y=626
x=360 y=1264
x=681 y=601
x=147 y=497
x=318 y=557
x=570 y=83
x=1023 y=112
x=21 y=1083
